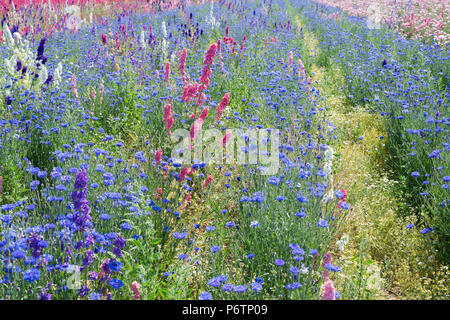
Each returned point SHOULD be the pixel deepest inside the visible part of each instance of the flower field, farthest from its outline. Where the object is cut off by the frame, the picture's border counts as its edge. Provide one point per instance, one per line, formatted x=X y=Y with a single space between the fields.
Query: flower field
x=231 y=149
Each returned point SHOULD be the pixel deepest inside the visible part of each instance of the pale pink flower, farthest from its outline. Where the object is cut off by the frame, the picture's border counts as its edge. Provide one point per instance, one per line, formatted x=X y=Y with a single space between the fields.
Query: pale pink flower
x=207 y=180
x=184 y=172
x=135 y=287
x=169 y=124
x=222 y=105
x=226 y=138
x=301 y=69
x=207 y=63
x=167 y=112
x=74 y=86
x=196 y=126
x=210 y=54
x=189 y=91
x=183 y=61
x=329 y=292
x=218 y=46
x=158 y=156
x=167 y=72
x=204 y=114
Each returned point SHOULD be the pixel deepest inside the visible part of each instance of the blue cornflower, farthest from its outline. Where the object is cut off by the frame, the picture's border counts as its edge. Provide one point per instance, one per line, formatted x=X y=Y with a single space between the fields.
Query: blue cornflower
x=332 y=267
x=60 y=187
x=293 y=286
x=182 y=256
x=214 y=249
x=156 y=208
x=214 y=282
x=339 y=194
x=105 y=216
x=115 y=266
x=83 y=291
x=95 y=296
x=274 y=180
x=31 y=275
x=222 y=278
x=18 y=254
x=298 y=251
x=323 y=223
x=7 y=218
x=240 y=288
x=344 y=205
x=301 y=213
x=126 y=226
x=178 y=235
x=259 y=280
x=279 y=262
x=7 y=207
x=294 y=270
x=254 y=224
x=205 y=296
x=426 y=230
x=256 y=287
x=116 y=283
x=228 y=287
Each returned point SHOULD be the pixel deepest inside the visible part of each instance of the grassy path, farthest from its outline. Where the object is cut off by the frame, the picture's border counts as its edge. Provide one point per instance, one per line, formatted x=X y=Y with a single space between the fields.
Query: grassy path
x=379 y=256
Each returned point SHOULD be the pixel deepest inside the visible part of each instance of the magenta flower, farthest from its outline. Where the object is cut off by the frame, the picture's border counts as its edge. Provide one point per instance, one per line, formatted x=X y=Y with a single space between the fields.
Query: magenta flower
x=183 y=61
x=167 y=72
x=329 y=292
x=222 y=105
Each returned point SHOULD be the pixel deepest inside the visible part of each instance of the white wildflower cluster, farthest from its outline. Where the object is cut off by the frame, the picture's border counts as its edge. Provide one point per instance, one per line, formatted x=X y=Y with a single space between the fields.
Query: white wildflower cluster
x=57 y=75
x=304 y=270
x=43 y=75
x=164 y=43
x=264 y=8
x=328 y=156
x=74 y=20
x=374 y=16
x=211 y=19
x=342 y=242
x=142 y=39
x=21 y=65
x=374 y=281
x=21 y=56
